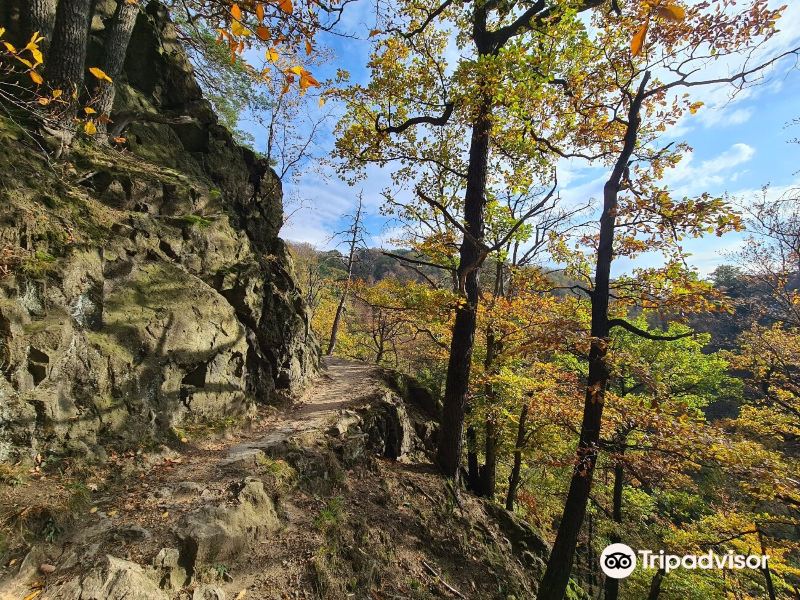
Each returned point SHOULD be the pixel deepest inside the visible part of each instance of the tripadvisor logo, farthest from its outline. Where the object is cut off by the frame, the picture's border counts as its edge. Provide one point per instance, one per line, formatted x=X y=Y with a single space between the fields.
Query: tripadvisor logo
x=619 y=560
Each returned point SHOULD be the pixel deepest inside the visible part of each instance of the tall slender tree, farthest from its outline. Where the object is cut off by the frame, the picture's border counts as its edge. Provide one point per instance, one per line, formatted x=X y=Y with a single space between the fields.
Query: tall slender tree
x=638 y=211
x=511 y=56
x=354 y=239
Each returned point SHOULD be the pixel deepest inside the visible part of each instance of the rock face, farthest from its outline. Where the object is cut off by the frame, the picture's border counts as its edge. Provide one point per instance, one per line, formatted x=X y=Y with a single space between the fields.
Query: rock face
x=219 y=533
x=115 y=579
x=145 y=289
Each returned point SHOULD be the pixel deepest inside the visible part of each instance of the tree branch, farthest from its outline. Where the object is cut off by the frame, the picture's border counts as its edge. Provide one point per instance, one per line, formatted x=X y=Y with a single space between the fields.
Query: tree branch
x=438 y=121
x=645 y=334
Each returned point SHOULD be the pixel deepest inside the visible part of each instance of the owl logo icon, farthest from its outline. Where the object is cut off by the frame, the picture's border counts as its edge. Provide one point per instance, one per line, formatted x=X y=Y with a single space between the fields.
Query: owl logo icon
x=618 y=561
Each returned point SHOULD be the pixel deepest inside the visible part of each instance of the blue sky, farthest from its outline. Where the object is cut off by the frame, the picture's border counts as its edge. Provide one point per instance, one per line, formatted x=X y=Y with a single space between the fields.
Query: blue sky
x=740 y=145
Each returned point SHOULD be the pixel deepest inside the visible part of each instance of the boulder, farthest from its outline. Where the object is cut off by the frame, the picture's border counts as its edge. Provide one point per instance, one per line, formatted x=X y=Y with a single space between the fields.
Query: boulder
x=387 y=426
x=218 y=533
x=243 y=460
x=113 y=579
x=170 y=572
x=208 y=592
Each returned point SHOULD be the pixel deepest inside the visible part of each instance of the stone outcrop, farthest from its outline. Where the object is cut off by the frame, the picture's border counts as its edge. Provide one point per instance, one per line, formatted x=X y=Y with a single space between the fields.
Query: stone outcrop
x=218 y=533
x=114 y=579
x=144 y=289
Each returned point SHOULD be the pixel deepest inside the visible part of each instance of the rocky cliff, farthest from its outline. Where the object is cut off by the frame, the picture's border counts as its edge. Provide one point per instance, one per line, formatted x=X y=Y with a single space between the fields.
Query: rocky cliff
x=143 y=288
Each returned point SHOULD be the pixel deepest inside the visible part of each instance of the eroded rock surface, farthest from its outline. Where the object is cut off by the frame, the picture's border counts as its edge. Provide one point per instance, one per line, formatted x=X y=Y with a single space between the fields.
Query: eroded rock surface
x=146 y=289
x=114 y=579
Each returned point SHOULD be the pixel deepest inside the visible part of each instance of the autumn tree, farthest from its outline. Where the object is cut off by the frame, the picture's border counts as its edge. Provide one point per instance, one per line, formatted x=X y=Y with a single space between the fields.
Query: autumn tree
x=636 y=100
x=353 y=238
x=518 y=313
x=415 y=111
x=656 y=431
x=282 y=31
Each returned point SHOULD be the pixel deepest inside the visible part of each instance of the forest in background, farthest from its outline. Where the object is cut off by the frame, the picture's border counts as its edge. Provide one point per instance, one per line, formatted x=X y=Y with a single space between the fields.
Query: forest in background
x=653 y=407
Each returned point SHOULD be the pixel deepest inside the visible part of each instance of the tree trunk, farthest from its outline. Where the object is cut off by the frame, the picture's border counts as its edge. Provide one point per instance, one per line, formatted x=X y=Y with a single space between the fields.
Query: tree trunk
x=489 y=471
x=115 y=49
x=612 y=585
x=448 y=454
x=655 y=585
x=355 y=237
x=65 y=65
x=473 y=468
x=41 y=17
x=336 y=320
x=514 y=478
x=767 y=573
x=556 y=577
x=489 y=475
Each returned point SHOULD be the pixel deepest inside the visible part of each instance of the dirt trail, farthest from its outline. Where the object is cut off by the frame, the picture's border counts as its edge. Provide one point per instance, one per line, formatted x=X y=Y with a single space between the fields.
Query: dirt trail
x=344 y=521
x=343 y=383
x=139 y=500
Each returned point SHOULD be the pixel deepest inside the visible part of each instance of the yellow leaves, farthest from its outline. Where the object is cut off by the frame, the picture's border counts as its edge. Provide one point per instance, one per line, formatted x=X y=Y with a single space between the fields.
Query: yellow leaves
x=44 y=101
x=637 y=43
x=321 y=101
x=695 y=106
x=37 y=55
x=240 y=30
x=89 y=110
x=263 y=33
x=2 y=31
x=10 y=47
x=89 y=128
x=37 y=79
x=236 y=12
x=671 y=12
x=100 y=74
x=272 y=55
x=307 y=80
x=286 y=6
x=57 y=94
x=33 y=47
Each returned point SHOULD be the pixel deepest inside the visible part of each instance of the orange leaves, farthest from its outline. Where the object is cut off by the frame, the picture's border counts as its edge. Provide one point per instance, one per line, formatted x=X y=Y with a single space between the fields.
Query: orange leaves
x=286 y=6
x=263 y=33
x=667 y=11
x=260 y=12
x=236 y=12
x=307 y=80
x=637 y=43
x=37 y=79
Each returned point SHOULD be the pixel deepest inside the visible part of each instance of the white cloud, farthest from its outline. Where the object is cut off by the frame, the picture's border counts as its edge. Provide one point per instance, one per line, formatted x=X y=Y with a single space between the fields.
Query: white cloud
x=710 y=175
